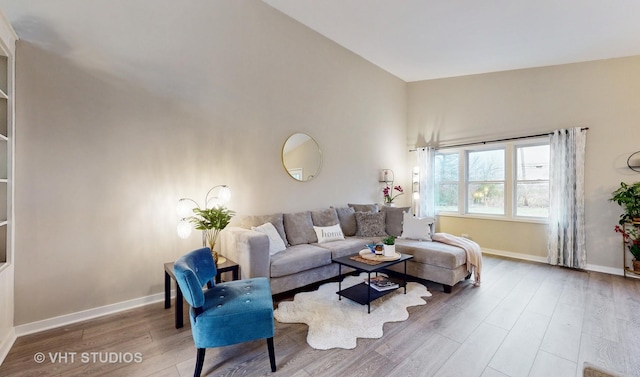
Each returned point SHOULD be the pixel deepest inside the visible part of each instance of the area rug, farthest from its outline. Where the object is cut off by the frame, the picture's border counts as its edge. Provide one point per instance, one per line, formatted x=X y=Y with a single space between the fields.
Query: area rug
x=337 y=323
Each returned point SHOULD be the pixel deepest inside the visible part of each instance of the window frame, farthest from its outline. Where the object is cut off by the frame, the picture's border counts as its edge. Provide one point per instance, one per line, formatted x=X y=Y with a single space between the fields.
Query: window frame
x=510 y=180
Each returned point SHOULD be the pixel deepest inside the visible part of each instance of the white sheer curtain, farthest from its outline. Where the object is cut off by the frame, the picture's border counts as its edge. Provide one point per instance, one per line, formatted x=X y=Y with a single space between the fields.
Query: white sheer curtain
x=426 y=164
x=566 y=202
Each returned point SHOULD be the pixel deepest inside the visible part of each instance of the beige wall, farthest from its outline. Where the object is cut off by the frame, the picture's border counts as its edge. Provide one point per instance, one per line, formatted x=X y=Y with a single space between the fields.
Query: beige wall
x=602 y=95
x=119 y=116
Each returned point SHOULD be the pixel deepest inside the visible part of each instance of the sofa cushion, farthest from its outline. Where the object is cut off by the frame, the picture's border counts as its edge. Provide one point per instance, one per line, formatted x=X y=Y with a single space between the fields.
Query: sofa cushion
x=348 y=246
x=324 y=217
x=370 y=224
x=299 y=228
x=347 y=218
x=276 y=244
x=299 y=258
x=328 y=233
x=364 y=207
x=276 y=220
x=433 y=253
x=393 y=219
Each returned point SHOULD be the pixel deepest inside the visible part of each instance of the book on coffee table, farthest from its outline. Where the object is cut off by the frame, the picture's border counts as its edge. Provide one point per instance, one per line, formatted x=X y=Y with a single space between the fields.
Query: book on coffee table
x=382 y=283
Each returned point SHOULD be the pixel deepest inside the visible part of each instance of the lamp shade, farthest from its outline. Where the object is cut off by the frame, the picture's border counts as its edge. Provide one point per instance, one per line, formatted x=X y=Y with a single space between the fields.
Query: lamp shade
x=224 y=195
x=184 y=228
x=185 y=208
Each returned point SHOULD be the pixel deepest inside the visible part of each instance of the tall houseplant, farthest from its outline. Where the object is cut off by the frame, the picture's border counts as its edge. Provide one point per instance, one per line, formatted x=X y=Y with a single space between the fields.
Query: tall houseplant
x=211 y=221
x=628 y=197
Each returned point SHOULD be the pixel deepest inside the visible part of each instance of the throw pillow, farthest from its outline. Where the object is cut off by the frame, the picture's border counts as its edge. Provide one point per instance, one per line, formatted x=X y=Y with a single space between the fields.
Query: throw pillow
x=299 y=228
x=371 y=224
x=276 y=244
x=417 y=228
x=328 y=233
x=394 y=219
x=347 y=218
x=276 y=219
x=324 y=217
x=364 y=207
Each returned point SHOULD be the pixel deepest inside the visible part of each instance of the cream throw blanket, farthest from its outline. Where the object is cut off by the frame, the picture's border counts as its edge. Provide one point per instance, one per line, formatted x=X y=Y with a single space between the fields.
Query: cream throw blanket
x=471 y=248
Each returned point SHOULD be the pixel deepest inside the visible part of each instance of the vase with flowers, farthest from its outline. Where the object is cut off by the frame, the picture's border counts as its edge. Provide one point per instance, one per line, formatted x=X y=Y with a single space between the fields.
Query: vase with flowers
x=632 y=240
x=389 y=196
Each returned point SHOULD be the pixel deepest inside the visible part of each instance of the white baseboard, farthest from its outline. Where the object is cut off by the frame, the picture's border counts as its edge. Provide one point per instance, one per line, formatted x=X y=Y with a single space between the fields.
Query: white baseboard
x=510 y=254
x=6 y=344
x=604 y=269
x=534 y=258
x=84 y=315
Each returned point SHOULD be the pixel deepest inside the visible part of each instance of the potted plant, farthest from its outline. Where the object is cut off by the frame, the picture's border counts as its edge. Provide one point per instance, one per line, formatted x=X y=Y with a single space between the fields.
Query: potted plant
x=631 y=239
x=387 y=193
x=628 y=196
x=389 y=246
x=211 y=221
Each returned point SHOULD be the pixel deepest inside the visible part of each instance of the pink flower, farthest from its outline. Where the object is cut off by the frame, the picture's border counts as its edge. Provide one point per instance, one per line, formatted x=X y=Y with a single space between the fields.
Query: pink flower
x=388 y=195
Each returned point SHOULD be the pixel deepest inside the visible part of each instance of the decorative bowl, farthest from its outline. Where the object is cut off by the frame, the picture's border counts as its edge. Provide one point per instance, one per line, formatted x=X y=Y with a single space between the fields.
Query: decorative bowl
x=372 y=247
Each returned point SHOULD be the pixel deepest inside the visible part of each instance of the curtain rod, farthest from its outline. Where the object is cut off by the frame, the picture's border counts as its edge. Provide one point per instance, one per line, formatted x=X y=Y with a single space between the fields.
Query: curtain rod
x=495 y=141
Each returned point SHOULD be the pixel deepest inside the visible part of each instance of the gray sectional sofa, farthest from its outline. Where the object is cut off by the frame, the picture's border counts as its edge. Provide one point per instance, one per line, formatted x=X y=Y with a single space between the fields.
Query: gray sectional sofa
x=304 y=259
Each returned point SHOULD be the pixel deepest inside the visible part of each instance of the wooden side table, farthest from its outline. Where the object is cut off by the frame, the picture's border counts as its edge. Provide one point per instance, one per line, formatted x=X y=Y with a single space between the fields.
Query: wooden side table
x=227 y=266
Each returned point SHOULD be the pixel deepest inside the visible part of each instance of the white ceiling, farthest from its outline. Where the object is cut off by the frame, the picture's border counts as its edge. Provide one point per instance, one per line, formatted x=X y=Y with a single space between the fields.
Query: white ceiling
x=426 y=39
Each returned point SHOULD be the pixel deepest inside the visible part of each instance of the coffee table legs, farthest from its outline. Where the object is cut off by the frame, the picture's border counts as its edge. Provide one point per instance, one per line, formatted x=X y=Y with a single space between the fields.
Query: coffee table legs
x=339 y=280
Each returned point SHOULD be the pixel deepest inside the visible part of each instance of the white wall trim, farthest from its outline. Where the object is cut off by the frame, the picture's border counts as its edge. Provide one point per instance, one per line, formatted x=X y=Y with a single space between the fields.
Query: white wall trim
x=6 y=344
x=84 y=315
x=534 y=258
x=510 y=254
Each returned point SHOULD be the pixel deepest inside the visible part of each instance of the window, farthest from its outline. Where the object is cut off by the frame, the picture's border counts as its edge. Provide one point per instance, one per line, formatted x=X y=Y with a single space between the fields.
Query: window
x=532 y=180
x=485 y=185
x=447 y=181
x=509 y=180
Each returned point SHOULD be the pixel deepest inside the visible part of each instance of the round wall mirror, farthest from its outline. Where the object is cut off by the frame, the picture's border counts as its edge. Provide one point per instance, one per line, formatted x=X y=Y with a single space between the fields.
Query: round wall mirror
x=301 y=157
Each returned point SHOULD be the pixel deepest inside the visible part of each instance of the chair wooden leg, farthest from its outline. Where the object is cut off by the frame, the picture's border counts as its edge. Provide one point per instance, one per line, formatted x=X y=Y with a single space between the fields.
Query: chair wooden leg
x=272 y=355
x=199 y=362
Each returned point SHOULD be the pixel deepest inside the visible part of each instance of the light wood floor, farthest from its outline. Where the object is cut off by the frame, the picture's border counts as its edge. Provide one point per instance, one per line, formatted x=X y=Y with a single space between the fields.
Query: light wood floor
x=527 y=319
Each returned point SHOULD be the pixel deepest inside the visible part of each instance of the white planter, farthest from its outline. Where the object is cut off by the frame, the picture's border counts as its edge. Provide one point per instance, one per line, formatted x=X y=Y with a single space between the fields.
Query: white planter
x=389 y=250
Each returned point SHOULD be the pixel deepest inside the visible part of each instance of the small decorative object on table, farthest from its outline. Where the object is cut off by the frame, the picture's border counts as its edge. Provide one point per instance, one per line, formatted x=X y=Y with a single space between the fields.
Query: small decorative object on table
x=382 y=283
x=389 y=246
x=376 y=248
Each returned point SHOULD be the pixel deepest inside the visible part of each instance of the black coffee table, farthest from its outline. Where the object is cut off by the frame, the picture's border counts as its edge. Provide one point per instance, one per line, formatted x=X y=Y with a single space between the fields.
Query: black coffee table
x=362 y=293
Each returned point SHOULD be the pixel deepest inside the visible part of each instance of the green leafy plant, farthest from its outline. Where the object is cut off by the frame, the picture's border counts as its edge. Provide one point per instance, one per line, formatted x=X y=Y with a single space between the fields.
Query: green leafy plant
x=391 y=240
x=211 y=221
x=631 y=238
x=628 y=197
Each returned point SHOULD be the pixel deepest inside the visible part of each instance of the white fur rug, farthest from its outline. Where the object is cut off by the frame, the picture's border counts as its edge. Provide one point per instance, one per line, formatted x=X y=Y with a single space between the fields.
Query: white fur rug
x=337 y=323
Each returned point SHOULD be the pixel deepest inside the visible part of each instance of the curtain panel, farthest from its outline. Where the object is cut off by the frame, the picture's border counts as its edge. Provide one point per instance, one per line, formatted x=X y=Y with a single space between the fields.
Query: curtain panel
x=566 y=202
x=426 y=164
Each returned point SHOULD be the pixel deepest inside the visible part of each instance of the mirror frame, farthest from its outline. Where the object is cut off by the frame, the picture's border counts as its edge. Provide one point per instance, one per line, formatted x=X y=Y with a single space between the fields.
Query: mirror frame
x=289 y=170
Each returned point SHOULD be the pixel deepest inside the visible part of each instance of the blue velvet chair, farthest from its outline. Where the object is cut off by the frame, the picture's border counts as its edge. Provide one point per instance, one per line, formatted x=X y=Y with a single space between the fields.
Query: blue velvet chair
x=226 y=313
